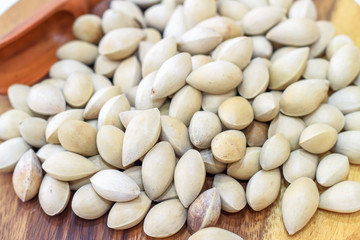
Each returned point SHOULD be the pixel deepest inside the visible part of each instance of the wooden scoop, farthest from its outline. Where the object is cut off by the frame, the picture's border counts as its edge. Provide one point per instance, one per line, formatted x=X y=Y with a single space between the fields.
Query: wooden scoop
x=28 y=51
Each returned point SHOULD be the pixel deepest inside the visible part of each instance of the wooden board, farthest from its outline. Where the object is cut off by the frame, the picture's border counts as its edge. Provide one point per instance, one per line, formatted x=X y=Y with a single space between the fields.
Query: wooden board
x=27 y=220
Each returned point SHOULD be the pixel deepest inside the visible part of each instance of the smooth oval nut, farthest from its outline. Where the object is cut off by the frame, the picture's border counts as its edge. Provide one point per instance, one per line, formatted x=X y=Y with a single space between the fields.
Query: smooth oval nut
x=127 y=74
x=125 y=215
x=204 y=126
x=81 y=51
x=199 y=60
x=275 y=152
x=33 y=130
x=177 y=68
x=185 y=103
x=109 y=113
x=79 y=137
x=87 y=27
x=189 y=177
x=97 y=101
x=300 y=164
x=87 y=204
x=17 y=94
x=27 y=176
x=68 y=166
x=352 y=121
x=158 y=15
x=347 y=100
x=213 y=233
x=261 y=47
x=344 y=66
x=176 y=133
x=54 y=195
x=299 y=203
x=114 y=185
x=226 y=27
x=303 y=9
x=265 y=107
x=78 y=89
x=135 y=173
x=63 y=68
x=120 y=43
x=165 y=219
x=211 y=102
x=236 y=50
x=158 y=169
x=347 y=144
x=51 y=132
x=48 y=150
x=141 y=135
x=114 y=19
x=290 y=127
x=336 y=43
x=332 y=169
x=343 y=197
x=288 y=68
x=9 y=122
x=198 y=10
x=316 y=68
x=231 y=192
x=212 y=165
x=46 y=99
x=247 y=166
x=229 y=146
x=236 y=113
x=204 y=211
x=255 y=79
x=170 y=193
x=327 y=32
x=318 y=138
x=105 y=66
x=327 y=114
x=263 y=189
x=176 y=26
x=303 y=97
x=259 y=20
x=109 y=142
x=294 y=32
x=232 y=9
x=10 y=152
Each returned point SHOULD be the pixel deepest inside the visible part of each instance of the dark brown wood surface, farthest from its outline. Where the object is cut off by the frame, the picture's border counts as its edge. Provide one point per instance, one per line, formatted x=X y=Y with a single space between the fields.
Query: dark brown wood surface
x=20 y=220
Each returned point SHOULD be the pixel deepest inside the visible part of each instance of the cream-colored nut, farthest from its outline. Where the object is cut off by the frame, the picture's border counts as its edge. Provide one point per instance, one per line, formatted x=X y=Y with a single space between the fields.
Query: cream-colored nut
x=158 y=15
x=247 y=166
x=263 y=189
x=109 y=113
x=32 y=131
x=78 y=50
x=131 y=9
x=9 y=122
x=231 y=192
x=127 y=74
x=318 y=138
x=300 y=164
x=78 y=89
x=327 y=114
x=141 y=135
x=165 y=219
x=10 y=152
x=226 y=27
x=266 y=107
x=236 y=113
x=352 y=121
x=105 y=66
x=299 y=203
x=63 y=68
x=176 y=26
x=68 y=166
x=278 y=53
x=342 y=197
x=327 y=32
x=211 y=102
x=17 y=94
x=124 y=215
x=135 y=173
x=336 y=43
x=303 y=9
x=47 y=150
x=114 y=185
x=54 y=195
x=303 y=97
x=347 y=100
x=316 y=68
x=120 y=43
x=79 y=137
x=332 y=169
x=348 y=145
x=87 y=27
x=275 y=152
x=214 y=233
x=261 y=46
x=158 y=169
x=189 y=177
x=229 y=146
x=199 y=60
x=112 y=20
x=198 y=10
x=185 y=103
x=204 y=126
x=87 y=204
x=294 y=32
x=232 y=9
x=290 y=127
x=212 y=165
x=288 y=68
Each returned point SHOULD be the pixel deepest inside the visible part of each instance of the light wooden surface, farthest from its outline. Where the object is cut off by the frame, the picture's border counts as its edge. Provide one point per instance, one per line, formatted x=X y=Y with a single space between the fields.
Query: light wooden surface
x=27 y=221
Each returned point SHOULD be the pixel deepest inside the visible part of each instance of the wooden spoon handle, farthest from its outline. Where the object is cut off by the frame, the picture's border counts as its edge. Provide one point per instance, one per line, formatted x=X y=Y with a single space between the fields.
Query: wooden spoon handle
x=75 y=7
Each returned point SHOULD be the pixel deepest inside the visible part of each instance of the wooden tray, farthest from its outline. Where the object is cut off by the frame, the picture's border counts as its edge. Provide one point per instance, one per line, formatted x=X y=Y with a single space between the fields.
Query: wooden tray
x=27 y=220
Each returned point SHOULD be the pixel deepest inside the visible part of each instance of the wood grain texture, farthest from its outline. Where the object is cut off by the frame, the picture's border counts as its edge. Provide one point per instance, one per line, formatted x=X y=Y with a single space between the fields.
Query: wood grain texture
x=27 y=221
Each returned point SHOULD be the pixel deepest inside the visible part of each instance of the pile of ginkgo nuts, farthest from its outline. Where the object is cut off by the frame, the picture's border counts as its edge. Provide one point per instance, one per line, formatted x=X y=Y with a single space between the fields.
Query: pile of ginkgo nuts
x=154 y=96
